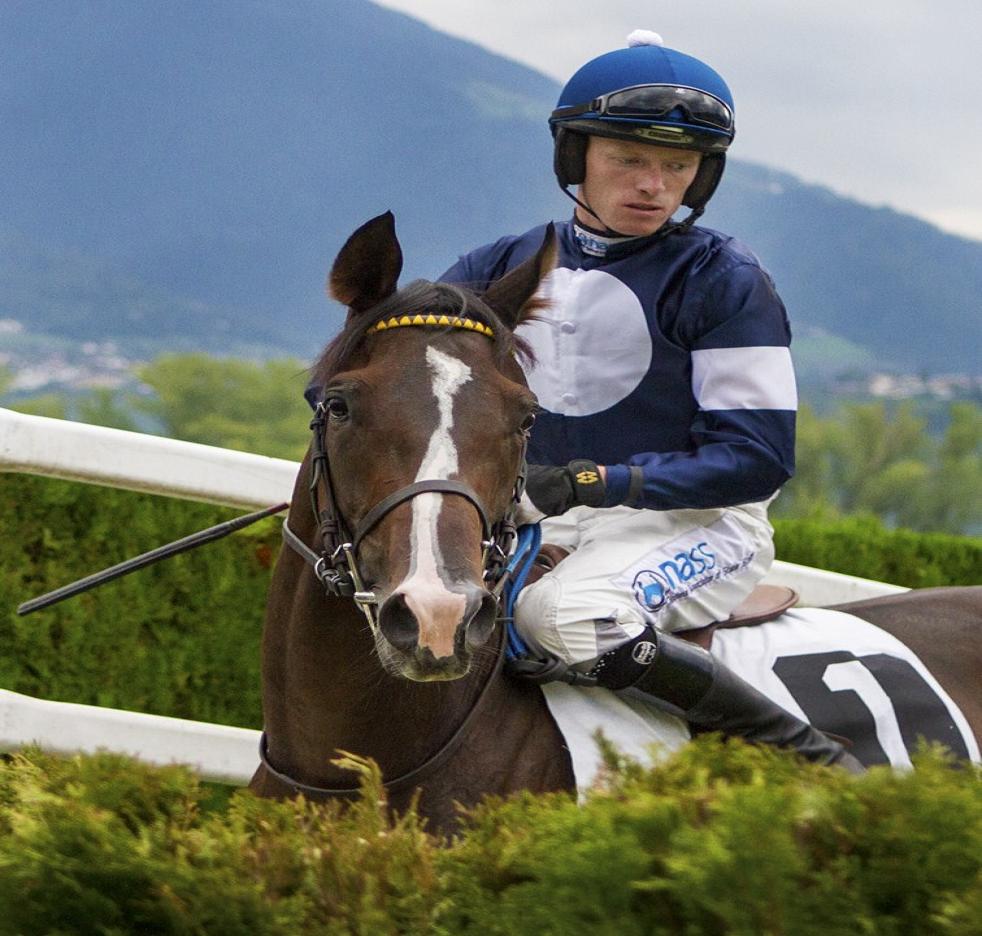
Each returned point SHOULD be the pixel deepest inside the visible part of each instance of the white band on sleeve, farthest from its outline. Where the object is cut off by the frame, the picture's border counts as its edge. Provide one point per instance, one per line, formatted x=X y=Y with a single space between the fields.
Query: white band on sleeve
x=744 y=378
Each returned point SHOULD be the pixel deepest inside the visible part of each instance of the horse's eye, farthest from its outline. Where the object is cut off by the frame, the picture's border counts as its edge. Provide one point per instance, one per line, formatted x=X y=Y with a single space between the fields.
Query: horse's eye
x=336 y=408
x=527 y=423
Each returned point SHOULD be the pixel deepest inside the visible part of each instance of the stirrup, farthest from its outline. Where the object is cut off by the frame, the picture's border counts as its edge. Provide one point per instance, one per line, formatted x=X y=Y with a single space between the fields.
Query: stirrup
x=551 y=669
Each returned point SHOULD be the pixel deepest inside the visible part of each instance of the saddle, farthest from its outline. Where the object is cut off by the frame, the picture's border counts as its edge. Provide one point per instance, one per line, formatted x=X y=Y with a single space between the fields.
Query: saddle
x=763 y=604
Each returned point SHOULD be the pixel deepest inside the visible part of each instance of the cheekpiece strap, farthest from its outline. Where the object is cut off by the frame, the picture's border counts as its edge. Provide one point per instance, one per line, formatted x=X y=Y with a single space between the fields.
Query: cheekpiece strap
x=334 y=576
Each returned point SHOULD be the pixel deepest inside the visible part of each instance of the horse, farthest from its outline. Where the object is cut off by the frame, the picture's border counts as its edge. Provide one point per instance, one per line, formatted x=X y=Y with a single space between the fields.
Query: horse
x=382 y=635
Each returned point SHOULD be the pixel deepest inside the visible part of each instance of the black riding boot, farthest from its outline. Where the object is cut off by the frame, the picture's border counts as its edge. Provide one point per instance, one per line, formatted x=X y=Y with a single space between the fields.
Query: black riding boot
x=713 y=697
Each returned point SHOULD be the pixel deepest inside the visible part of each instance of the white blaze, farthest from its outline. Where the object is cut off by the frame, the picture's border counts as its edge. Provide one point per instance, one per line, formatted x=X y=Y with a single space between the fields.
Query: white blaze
x=438 y=610
x=449 y=375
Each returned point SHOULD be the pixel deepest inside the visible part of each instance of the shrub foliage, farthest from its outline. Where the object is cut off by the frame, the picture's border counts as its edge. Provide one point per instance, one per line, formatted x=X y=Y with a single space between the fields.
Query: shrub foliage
x=864 y=546
x=722 y=838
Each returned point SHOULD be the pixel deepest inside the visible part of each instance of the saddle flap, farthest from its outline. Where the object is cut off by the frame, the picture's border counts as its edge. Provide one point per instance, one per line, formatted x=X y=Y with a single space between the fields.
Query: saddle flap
x=763 y=604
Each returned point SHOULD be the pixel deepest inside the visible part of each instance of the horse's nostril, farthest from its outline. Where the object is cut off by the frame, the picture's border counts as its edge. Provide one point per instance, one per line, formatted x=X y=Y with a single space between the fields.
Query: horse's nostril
x=482 y=609
x=398 y=623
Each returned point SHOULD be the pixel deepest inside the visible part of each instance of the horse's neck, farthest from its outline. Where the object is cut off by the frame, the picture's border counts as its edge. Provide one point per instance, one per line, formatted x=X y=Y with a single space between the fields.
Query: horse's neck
x=331 y=693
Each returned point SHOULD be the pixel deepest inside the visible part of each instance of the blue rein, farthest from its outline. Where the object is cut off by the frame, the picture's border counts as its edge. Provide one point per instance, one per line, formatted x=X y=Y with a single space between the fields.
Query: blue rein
x=516 y=572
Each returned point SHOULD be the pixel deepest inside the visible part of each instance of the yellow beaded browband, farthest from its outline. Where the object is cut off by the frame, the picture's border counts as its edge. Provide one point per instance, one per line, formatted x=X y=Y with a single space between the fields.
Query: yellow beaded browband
x=449 y=321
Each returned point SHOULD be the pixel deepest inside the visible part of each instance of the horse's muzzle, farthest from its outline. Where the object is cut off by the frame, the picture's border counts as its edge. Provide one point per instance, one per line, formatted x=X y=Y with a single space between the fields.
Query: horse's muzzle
x=434 y=637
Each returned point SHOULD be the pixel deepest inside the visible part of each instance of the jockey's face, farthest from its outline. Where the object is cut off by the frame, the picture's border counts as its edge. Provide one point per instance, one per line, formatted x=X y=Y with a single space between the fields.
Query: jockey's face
x=634 y=187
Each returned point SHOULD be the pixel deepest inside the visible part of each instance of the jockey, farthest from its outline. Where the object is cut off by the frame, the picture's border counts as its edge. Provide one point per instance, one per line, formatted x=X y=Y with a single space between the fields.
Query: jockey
x=663 y=370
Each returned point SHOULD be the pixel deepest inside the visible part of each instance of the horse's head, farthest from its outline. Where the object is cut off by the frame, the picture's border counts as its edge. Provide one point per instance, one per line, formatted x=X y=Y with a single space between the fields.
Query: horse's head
x=423 y=384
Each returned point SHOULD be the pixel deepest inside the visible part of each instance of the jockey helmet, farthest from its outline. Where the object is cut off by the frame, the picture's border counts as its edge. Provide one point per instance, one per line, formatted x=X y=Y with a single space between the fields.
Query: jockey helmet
x=646 y=93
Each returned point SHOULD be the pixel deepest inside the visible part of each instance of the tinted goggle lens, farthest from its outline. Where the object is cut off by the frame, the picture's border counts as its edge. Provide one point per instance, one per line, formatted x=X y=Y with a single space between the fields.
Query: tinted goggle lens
x=659 y=100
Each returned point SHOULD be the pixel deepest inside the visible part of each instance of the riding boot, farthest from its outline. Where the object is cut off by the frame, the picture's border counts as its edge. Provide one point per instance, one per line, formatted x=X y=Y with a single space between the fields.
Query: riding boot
x=712 y=697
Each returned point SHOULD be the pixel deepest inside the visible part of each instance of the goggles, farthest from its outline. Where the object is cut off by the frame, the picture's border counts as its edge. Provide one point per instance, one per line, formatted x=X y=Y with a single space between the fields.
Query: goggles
x=648 y=102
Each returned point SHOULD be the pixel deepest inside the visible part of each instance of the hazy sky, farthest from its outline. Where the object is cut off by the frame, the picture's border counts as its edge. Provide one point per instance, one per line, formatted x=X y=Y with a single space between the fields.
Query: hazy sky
x=878 y=100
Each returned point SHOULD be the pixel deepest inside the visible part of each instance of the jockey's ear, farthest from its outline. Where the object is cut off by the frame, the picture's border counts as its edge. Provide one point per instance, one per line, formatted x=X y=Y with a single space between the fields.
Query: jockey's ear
x=513 y=296
x=367 y=269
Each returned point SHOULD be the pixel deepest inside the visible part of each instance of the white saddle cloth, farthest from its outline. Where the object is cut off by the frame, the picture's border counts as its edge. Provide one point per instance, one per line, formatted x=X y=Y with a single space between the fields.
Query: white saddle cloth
x=645 y=733
x=636 y=728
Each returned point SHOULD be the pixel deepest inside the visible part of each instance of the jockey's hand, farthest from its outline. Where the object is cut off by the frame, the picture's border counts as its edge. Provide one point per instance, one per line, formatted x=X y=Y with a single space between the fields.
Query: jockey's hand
x=550 y=491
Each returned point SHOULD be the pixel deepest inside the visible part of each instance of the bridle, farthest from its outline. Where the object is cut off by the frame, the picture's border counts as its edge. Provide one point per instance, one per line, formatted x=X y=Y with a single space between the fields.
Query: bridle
x=336 y=567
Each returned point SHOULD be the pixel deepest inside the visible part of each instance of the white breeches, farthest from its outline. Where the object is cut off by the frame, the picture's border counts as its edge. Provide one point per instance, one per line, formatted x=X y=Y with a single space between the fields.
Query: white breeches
x=674 y=570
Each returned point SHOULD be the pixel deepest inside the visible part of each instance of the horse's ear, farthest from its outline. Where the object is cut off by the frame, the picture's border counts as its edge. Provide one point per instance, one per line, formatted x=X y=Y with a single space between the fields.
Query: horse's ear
x=367 y=269
x=513 y=296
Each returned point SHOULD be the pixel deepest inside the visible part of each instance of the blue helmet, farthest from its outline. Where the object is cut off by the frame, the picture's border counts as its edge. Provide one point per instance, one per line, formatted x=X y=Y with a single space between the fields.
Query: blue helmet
x=648 y=94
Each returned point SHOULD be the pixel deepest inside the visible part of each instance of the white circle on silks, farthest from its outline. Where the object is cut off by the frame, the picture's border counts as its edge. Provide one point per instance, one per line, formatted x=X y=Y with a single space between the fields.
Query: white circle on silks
x=591 y=344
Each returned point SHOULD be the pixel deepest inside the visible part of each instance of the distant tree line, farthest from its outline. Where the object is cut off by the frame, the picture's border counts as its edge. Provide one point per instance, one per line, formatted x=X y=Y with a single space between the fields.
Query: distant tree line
x=250 y=406
x=869 y=459
x=864 y=459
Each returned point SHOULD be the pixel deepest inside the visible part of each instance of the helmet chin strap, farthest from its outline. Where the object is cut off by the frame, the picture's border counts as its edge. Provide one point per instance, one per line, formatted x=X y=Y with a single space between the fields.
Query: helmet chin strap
x=607 y=231
x=669 y=227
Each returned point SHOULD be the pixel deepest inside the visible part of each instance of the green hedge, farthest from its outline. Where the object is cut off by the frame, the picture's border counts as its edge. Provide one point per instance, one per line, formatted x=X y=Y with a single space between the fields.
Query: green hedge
x=178 y=638
x=721 y=839
x=182 y=637
x=863 y=546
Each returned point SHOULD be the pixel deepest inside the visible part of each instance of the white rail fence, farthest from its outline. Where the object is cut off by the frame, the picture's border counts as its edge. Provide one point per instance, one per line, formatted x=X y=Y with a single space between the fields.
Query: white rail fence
x=133 y=461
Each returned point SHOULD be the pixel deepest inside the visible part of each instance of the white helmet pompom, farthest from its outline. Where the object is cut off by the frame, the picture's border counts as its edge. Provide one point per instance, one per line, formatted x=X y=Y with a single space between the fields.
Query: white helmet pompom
x=644 y=37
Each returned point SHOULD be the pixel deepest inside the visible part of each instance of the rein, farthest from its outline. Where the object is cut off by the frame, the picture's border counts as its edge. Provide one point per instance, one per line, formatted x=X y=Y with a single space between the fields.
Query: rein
x=336 y=567
x=414 y=776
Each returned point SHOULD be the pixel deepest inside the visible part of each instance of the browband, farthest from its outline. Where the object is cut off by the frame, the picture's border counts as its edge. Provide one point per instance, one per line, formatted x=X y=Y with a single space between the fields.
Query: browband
x=449 y=321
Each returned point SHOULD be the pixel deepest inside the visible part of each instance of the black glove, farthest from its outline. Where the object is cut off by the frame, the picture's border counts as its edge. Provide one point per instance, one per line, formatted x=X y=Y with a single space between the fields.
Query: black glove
x=550 y=491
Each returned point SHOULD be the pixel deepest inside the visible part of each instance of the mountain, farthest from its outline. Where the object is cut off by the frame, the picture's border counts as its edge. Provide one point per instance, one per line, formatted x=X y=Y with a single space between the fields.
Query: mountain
x=180 y=175
x=893 y=285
